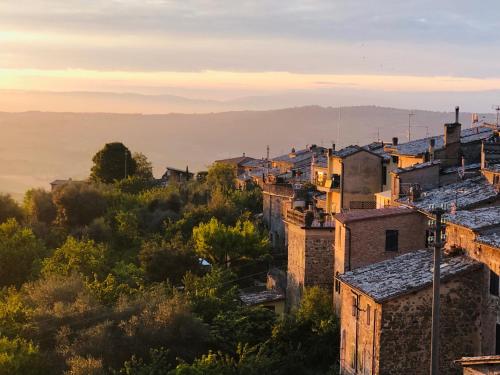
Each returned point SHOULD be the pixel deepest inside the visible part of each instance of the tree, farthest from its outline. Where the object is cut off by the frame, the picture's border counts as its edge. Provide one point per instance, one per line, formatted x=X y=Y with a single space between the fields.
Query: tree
x=221 y=177
x=20 y=357
x=78 y=204
x=166 y=261
x=9 y=209
x=144 y=168
x=39 y=206
x=113 y=162
x=221 y=244
x=84 y=257
x=19 y=250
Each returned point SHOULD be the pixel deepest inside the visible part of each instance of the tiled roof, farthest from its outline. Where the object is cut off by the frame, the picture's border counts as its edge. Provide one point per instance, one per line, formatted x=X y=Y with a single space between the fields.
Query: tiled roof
x=427 y=164
x=479 y=218
x=492 y=239
x=346 y=151
x=420 y=146
x=404 y=274
x=263 y=296
x=237 y=160
x=463 y=194
x=365 y=214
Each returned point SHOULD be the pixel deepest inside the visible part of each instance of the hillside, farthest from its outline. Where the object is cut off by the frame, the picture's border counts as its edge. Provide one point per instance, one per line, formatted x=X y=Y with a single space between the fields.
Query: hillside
x=37 y=147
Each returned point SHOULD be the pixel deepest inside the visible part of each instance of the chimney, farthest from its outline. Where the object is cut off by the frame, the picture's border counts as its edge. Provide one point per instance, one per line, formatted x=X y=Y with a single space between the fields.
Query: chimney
x=457 y=113
x=333 y=146
x=243 y=154
x=395 y=141
x=432 y=144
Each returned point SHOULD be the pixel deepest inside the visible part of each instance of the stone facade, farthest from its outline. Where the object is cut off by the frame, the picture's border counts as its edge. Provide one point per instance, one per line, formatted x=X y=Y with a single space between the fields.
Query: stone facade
x=393 y=337
x=426 y=177
x=275 y=200
x=484 y=365
x=360 y=242
x=310 y=260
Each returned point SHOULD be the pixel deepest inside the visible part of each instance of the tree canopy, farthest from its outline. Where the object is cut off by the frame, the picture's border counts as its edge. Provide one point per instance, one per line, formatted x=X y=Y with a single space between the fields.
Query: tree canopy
x=113 y=162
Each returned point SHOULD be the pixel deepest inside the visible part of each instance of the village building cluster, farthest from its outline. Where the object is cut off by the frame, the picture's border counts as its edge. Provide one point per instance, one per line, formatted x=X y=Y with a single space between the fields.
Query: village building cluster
x=360 y=223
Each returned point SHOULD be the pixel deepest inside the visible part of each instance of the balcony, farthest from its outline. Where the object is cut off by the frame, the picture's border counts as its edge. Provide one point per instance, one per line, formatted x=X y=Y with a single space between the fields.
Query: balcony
x=327 y=185
x=299 y=218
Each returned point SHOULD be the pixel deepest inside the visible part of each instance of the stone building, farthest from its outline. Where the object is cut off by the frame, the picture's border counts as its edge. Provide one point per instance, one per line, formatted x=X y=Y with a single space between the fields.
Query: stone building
x=450 y=148
x=387 y=313
x=484 y=365
x=364 y=237
x=276 y=199
x=349 y=177
x=175 y=175
x=310 y=257
x=240 y=163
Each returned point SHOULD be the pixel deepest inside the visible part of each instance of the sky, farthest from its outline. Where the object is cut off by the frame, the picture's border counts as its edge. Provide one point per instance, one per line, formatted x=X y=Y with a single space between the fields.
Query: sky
x=229 y=49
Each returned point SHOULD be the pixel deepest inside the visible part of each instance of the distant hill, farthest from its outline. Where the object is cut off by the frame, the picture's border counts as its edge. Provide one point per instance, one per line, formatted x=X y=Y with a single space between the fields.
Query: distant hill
x=37 y=147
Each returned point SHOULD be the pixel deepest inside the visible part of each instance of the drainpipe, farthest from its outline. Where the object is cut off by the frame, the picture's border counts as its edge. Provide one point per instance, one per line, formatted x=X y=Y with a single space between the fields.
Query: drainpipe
x=373 y=340
x=341 y=185
x=348 y=230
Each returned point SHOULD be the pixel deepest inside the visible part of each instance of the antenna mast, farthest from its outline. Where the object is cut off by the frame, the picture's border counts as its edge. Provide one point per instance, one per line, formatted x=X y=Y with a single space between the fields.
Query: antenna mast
x=497 y=109
x=409 y=125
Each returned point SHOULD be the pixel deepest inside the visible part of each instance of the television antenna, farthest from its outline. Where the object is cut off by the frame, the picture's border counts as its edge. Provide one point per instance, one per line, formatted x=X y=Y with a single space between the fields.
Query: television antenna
x=497 y=109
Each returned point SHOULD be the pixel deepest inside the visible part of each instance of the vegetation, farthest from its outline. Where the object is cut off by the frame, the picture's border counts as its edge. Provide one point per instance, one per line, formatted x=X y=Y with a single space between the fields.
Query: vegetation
x=120 y=275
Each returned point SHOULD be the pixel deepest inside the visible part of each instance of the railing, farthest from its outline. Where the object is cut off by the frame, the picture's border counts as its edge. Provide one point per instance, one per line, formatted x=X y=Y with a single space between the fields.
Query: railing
x=299 y=218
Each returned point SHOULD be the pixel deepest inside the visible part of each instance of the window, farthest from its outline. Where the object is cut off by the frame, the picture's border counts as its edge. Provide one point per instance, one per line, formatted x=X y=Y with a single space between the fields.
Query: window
x=395 y=159
x=384 y=175
x=337 y=282
x=368 y=314
x=494 y=283
x=354 y=306
x=391 y=240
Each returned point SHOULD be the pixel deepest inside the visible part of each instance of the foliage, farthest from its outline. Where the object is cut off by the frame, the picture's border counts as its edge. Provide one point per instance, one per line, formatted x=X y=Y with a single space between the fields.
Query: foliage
x=39 y=206
x=135 y=184
x=9 y=209
x=211 y=293
x=144 y=168
x=78 y=204
x=84 y=257
x=221 y=177
x=113 y=162
x=221 y=244
x=19 y=252
x=162 y=260
x=20 y=357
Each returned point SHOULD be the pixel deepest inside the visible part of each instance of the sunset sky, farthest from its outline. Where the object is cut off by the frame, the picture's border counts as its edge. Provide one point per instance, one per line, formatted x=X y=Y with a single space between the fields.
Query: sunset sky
x=228 y=49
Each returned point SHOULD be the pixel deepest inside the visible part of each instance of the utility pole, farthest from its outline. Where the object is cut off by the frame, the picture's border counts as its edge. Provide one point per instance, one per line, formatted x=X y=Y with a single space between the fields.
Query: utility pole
x=409 y=125
x=497 y=109
x=438 y=212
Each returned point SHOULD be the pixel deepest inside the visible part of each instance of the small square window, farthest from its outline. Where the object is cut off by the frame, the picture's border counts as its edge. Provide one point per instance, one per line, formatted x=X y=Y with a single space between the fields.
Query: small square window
x=391 y=240
x=494 y=287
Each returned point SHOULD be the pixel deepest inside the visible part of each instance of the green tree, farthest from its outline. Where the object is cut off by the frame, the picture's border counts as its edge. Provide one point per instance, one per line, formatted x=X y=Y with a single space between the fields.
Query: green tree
x=221 y=177
x=113 y=162
x=9 y=209
x=144 y=168
x=162 y=260
x=20 y=357
x=19 y=252
x=221 y=244
x=78 y=204
x=39 y=206
x=84 y=257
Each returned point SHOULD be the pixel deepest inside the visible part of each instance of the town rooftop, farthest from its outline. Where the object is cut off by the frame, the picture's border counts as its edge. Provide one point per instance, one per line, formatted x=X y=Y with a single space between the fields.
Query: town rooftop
x=480 y=218
x=404 y=274
x=464 y=194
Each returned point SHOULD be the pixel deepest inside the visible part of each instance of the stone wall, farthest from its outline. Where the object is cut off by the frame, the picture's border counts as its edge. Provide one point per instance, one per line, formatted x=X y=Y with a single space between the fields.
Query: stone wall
x=360 y=243
x=405 y=334
x=359 y=354
x=274 y=204
x=427 y=178
x=310 y=260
